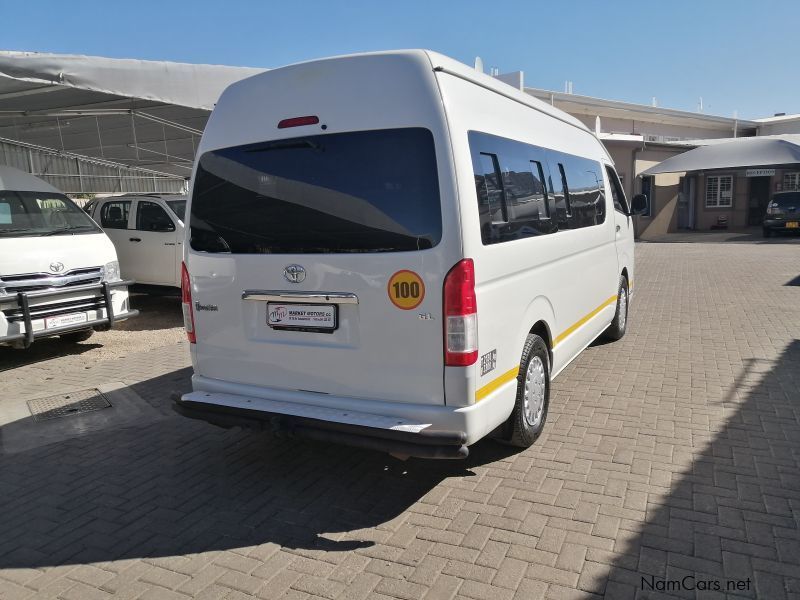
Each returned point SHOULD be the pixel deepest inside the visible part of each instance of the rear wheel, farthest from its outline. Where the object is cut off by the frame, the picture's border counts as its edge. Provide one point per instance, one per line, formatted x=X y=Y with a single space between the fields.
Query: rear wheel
x=533 y=393
x=77 y=336
x=619 y=325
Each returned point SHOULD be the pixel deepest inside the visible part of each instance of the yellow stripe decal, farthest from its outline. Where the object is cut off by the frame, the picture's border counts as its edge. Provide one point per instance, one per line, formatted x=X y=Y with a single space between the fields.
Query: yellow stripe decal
x=510 y=375
x=496 y=383
x=571 y=329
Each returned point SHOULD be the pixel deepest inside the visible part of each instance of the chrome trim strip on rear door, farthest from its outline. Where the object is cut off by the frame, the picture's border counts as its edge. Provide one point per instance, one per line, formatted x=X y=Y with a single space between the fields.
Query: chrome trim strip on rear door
x=305 y=297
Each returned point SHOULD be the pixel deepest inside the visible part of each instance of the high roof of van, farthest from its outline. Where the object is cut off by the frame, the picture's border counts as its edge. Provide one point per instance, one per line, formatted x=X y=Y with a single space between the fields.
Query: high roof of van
x=494 y=84
x=20 y=181
x=391 y=78
x=440 y=62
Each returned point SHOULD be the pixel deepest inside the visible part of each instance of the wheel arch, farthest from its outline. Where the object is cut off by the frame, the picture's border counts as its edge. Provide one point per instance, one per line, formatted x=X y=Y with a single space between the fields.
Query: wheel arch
x=539 y=318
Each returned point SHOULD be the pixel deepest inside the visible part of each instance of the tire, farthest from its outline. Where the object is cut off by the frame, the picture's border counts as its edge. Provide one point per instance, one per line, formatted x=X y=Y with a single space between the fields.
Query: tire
x=533 y=394
x=619 y=325
x=77 y=336
x=767 y=232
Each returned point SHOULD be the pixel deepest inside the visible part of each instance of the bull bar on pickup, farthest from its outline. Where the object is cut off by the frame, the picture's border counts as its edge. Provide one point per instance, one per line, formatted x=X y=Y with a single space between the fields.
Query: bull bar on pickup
x=101 y=291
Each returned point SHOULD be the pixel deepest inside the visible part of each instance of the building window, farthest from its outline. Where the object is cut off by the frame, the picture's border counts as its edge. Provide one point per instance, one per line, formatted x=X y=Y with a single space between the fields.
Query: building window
x=719 y=191
x=791 y=181
x=648 y=187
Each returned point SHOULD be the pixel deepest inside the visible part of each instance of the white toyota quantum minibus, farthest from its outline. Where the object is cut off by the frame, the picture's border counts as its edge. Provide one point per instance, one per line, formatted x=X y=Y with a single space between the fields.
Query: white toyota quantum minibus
x=395 y=251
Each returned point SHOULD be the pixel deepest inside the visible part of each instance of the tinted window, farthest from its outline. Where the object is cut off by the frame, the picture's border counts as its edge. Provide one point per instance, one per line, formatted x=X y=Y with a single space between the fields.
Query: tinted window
x=151 y=217
x=114 y=215
x=370 y=191
x=786 y=200
x=178 y=207
x=490 y=192
x=616 y=191
x=586 y=201
x=561 y=195
x=513 y=200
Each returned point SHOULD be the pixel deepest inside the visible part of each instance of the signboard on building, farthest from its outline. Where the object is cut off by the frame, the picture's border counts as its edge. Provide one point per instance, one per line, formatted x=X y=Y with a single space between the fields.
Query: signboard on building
x=759 y=172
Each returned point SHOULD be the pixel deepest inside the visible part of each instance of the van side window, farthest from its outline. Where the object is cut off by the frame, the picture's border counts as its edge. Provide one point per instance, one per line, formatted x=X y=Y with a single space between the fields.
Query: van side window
x=617 y=194
x=114 y=215
x=560 y=191
x=510 y=181
x=525 y=195
x=587 y=203
x=525 y=190
x=490 y=192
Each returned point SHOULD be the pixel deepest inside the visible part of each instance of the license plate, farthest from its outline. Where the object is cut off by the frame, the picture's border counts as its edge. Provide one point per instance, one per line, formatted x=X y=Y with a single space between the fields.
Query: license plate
x=792 y=225
x=302 y=317
x=62 y=320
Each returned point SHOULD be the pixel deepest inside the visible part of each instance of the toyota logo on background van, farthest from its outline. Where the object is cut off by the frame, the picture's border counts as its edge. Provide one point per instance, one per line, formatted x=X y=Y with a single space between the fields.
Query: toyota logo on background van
x=56 y=267
x=294 y=273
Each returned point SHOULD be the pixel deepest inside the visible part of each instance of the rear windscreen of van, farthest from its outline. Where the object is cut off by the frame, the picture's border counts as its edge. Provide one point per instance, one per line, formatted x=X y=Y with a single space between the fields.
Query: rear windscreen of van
x=368 y=191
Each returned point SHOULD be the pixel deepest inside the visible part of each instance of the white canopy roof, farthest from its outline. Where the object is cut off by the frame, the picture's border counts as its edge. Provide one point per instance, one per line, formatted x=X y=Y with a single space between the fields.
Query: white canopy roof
x=146 y=114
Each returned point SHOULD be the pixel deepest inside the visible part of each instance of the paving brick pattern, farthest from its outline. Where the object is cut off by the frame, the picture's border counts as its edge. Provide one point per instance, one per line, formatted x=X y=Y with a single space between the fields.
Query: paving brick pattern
x=673 y=452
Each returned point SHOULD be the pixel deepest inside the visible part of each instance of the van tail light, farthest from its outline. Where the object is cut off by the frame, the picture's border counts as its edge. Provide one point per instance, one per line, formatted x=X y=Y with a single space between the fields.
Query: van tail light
x=774 y=210
x=186 y=303
x=460 y=315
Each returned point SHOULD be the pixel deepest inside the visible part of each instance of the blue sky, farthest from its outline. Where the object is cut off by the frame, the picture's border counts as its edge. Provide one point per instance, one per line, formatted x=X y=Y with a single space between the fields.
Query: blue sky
x=739 y=56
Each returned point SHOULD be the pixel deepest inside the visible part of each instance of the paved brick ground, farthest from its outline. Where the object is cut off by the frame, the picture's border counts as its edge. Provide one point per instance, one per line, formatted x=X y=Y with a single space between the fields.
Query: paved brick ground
x=675 y=451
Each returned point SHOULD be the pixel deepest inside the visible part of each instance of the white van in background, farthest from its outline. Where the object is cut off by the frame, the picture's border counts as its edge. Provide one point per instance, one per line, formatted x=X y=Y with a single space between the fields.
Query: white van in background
x=58 y=271
x=394 y=251
x=147 y=232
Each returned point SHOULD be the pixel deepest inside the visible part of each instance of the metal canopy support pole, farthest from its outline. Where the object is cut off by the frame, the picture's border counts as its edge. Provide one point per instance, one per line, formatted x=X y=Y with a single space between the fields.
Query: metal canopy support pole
x=166 y=150
x=60 y=136
x=80 y=174
x=133 y=129
x=99 y=137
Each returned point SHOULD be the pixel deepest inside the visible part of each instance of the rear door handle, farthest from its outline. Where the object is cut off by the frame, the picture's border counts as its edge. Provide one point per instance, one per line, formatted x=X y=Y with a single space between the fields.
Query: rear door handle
x=135 y=239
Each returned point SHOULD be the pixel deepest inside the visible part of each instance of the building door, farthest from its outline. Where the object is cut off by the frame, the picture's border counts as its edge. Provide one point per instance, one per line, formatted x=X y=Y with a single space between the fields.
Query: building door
x=758 y=199
x=686 y=191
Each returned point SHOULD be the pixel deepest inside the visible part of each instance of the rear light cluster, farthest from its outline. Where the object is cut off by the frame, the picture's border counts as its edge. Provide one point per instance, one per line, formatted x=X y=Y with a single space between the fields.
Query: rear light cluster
x=186 y=304
x=774 y=210
x=461 y=316
x=298 y=121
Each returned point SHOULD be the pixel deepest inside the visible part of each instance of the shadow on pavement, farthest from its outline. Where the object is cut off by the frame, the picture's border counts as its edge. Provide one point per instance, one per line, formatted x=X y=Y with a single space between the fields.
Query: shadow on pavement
x=735 y=516
x=155 y=312
x=170 y=486
x=41 y=350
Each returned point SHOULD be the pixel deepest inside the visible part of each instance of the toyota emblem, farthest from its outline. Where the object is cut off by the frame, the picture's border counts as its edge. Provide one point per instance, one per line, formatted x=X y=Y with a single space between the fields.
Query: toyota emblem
x=294 y=273
x=56 y=267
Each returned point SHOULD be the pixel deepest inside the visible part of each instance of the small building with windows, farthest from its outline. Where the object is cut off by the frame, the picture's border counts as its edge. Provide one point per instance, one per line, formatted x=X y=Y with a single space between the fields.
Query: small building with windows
x=726 y=186
x=728 y=183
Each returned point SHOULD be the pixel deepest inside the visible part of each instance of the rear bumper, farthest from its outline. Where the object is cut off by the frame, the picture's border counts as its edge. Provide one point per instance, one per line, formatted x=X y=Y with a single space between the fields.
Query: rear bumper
x=363 y=430
x=780 y=225
x=23 y=314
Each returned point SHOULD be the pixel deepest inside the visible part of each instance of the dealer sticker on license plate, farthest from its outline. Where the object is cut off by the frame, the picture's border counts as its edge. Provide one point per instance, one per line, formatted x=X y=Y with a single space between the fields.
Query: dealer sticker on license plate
x=62 y=320
x=302 y=316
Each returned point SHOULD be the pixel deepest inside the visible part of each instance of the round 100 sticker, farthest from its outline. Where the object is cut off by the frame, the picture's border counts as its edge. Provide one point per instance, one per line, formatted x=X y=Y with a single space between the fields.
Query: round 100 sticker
x=406 y=289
